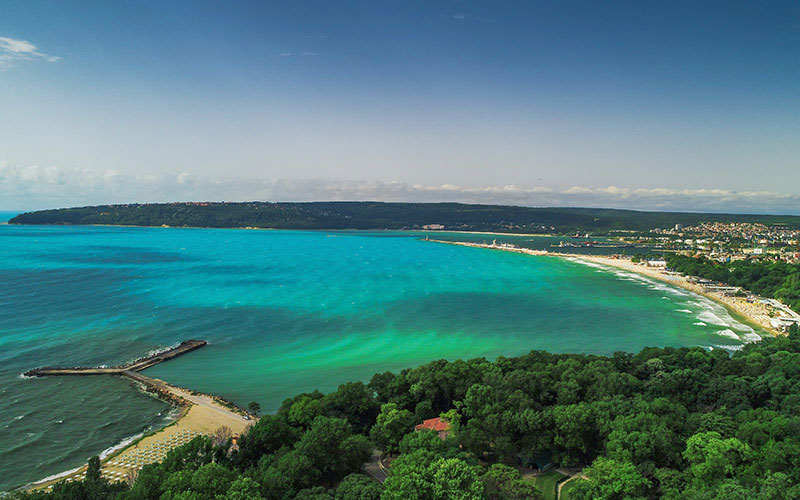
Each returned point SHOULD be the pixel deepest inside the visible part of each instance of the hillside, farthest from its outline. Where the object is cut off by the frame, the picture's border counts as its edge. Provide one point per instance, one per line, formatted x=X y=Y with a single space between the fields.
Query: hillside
x=376 y=215
x=665 y=423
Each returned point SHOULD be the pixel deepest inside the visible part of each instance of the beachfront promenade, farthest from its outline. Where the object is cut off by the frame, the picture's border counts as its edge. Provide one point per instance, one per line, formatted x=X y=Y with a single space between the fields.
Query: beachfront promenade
x=201 y=414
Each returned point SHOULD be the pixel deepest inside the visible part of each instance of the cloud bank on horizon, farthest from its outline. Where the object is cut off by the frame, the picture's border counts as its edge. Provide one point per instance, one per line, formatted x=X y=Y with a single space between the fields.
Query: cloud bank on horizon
x=35 y=187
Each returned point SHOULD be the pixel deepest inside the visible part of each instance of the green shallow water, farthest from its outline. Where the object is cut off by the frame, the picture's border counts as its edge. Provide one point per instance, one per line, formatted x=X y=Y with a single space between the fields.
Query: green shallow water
x=284 y=312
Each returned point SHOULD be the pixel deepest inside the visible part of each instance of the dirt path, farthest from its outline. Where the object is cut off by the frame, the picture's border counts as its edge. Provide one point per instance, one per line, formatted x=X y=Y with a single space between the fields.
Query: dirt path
x=562 y=483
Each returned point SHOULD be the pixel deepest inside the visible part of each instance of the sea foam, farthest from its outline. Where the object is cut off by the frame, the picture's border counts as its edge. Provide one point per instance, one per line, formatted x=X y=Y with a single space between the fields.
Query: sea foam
x=728 y=333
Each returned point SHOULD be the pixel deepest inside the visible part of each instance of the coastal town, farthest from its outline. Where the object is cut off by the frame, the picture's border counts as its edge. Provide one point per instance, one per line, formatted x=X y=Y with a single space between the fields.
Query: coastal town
x=726 y=241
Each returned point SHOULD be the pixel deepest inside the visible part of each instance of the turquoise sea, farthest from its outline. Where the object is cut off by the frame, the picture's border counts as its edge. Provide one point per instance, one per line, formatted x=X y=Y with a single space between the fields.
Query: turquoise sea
x=284 y=312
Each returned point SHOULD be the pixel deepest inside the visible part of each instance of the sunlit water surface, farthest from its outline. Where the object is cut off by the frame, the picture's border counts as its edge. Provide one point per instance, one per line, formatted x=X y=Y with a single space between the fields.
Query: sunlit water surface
x=284 y=312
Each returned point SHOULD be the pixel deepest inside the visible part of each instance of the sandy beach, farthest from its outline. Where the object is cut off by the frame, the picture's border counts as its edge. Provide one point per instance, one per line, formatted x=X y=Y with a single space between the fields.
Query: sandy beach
x=755 y=312
x=199 y=414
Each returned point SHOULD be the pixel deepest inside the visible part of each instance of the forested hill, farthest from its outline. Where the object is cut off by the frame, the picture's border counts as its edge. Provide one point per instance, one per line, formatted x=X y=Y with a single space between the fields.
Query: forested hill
x=665 y=423
x=376 y=215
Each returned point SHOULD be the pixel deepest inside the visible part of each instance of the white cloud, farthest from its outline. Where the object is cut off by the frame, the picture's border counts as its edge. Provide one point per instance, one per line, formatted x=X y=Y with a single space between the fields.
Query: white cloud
x=12 y=50
x=17 y=46
x=305 y=53
x=34 y=187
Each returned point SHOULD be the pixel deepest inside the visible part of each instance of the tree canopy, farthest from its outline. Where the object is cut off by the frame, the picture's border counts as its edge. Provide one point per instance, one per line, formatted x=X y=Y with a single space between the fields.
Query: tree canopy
x=688 y=423
x=775 y=279
x=377 y=215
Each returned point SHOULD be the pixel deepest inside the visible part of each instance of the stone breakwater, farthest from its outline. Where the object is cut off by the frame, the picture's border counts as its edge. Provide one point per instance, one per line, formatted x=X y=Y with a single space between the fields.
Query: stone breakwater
x=200 y=414
x=134 y=366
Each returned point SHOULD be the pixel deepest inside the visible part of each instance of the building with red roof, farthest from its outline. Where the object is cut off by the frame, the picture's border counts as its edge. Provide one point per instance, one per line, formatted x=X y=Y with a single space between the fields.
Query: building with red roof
x=437 y=425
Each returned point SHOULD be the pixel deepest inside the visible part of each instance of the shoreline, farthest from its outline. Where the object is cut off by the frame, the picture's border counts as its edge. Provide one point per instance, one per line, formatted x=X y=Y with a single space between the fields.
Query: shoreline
x=254 y=228
x=197 y=414
x=753 y=314
x=456 y=231
x=204 y=413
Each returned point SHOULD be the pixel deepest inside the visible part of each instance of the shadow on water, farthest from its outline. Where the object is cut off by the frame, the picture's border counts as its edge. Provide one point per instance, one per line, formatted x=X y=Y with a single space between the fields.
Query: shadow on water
x=115 y=255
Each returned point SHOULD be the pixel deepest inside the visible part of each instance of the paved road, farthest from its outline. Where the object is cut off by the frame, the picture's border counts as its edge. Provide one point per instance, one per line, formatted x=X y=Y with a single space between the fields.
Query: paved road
x=374 y=469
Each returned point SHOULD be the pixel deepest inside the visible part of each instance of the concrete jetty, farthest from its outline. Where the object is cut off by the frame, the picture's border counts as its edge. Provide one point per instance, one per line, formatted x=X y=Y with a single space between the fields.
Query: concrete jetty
x=200 y=414
x=134 y=366
x=508 y=247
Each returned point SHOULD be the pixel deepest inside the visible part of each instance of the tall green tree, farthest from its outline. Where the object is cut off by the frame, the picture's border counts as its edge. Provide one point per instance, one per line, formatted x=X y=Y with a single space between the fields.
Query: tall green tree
x=611 y=480
x=265 y=437
x=390 y=427
x=504 y=483
x=358 y=487
x=713 y=459
x=332 y=448
x=424 y=476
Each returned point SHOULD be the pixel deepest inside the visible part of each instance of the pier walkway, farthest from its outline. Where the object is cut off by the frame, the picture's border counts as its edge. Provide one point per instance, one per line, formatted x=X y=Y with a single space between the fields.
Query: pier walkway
x=499 y=246
x=134 y=366
x=201 y=414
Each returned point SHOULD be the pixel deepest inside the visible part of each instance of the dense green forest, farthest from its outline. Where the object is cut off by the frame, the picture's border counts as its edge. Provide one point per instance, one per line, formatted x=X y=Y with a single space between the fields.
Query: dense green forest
x=778 y=280
x=666 y=423
x=374 y=215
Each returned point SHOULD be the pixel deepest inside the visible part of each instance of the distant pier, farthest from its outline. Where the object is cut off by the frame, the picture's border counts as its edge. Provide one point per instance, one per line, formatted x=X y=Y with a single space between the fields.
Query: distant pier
x=134 y=366
x=508 y=247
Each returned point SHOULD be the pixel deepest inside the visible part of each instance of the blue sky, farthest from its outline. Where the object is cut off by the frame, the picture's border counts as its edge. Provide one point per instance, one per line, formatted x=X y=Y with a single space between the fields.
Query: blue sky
x=639 y=104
